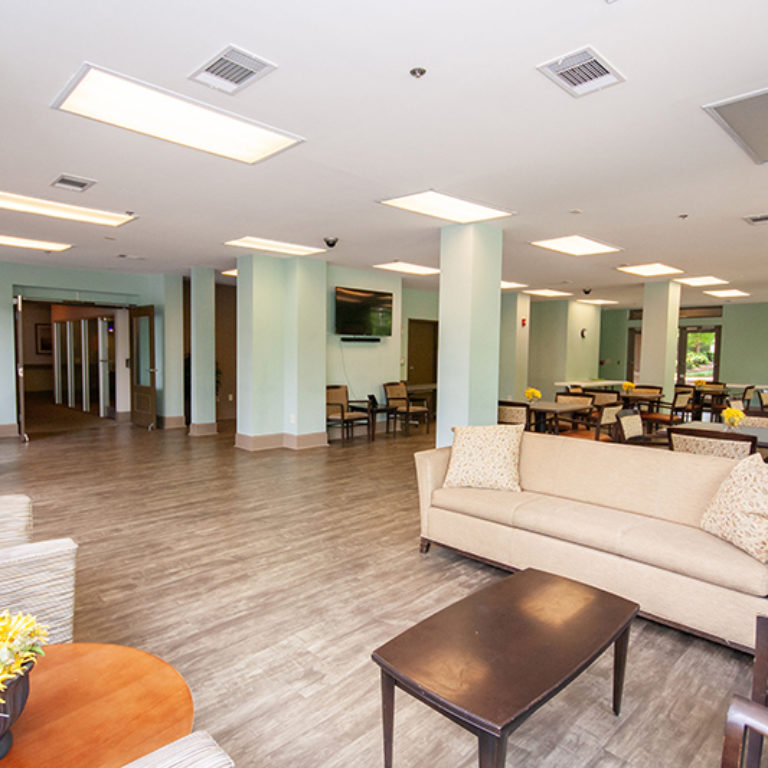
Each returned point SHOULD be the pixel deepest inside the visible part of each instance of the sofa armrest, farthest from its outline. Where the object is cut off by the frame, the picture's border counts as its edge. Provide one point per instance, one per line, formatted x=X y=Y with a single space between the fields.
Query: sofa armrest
x=198 y=750
x=39 y=578
x=15 y=519
x=431 y=467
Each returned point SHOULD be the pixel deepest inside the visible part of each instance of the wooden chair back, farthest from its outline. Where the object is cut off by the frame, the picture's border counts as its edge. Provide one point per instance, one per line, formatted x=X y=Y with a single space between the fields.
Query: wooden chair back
x=747 y=395
x=707 y=442
x=396 y=393
x=743 y=714
x=630 y=425
x=336 y=395
x=763 y=395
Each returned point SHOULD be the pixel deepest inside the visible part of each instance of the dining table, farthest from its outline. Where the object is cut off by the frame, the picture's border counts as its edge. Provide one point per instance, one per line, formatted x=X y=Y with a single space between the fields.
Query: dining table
x=543 y=408
x=632 y=398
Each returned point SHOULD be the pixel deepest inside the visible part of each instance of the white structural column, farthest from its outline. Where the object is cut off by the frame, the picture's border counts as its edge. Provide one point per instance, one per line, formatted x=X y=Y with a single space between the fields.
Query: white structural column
x=468 y=351
x=658 y=347
x=513 y=357
x=202 y=293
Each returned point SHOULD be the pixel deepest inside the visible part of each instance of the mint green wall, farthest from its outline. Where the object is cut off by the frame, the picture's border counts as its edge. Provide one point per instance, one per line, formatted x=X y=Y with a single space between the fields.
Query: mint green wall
x=363 y=367
x=582 y=354
x=102 y=287
x=613 y=343
x=417 y=305
x=514 y=345
x=548 y=337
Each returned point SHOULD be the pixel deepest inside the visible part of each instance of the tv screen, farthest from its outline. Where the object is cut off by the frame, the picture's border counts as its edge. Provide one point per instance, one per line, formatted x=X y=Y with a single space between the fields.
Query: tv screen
x=360 y=312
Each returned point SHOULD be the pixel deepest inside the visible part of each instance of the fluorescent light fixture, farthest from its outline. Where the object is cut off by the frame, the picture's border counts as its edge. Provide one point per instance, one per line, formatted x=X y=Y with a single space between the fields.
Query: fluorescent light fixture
x=597 y=302
x=549 y=293
x=229 y=272
x=127 y=103
x=700 y=282
x=441 y=206
x=12 y=202
x=37 y=245
x=650 y=270
x=274 y=246
x=728 y=293
x=575 y=245
x=507 y=286
x=408 y=269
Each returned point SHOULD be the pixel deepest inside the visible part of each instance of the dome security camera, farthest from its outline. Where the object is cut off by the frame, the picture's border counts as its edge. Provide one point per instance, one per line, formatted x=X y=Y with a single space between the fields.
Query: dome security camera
x=331 y=241
x=586 y=291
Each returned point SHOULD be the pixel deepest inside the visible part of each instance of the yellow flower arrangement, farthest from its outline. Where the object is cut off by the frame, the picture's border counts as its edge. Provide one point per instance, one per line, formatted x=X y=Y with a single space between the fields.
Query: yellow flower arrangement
x=628 y=386
x=21 y=641
x=532 y=394
x=732 y=416
x=699 y=383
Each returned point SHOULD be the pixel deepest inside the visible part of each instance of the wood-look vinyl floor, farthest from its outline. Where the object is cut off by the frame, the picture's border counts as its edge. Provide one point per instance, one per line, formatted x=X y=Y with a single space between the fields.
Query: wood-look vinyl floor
x=268 y=578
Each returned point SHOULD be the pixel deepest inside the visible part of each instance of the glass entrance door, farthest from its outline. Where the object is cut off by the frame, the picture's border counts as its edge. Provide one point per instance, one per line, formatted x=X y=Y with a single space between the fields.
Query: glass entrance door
x=698 y=354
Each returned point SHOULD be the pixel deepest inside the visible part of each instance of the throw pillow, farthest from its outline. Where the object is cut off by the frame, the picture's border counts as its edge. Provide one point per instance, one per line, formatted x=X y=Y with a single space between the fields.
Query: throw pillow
x=739 y=511
x=485 y=457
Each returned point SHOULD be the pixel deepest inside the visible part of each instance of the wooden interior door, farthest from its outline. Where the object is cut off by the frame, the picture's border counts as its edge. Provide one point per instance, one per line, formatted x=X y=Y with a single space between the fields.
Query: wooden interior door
x=422 y=351
x=20 y=393
x=143 y=393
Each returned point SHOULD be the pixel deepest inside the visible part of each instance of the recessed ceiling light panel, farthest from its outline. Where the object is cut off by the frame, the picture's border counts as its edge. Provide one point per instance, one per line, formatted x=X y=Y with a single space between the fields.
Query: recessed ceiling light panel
x=118 y=100
x=408 y=269
x=650 y=270
x=575 y=245
x=229 y=272
x=274 y=246
x=12 y=202
x=597 y=302
x=729 y=293
x=547 y=292
x=431 y=203
x=37 y=245
x=700 y=282
x=506 y=285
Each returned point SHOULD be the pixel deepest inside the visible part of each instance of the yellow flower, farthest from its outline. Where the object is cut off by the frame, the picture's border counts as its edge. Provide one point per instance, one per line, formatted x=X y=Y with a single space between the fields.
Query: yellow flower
x=627 y=386
x=699 y=383
x=532 y=394
x=21 y=640
x=732 y=416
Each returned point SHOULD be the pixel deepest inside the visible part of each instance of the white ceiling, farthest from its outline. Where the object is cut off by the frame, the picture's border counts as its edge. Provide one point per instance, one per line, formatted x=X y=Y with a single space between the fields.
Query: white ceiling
x=483 y=124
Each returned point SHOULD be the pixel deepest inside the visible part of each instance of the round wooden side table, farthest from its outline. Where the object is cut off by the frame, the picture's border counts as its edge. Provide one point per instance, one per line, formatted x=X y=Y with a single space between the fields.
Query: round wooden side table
x=98 y=706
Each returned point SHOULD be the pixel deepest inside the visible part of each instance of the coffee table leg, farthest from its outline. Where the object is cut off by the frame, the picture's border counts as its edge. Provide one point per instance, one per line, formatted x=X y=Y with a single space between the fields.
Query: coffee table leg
x=619 y=666
x=492 y=751
x=387 y=715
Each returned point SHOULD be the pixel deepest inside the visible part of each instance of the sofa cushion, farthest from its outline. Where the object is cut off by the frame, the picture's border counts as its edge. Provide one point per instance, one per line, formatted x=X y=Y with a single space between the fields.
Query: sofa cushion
x=739 y=511
x=485 y=457
x=496 y=506
x=664 y=484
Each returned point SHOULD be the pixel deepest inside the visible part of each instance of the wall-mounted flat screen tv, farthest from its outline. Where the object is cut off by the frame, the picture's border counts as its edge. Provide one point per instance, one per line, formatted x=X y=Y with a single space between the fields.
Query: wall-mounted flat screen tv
x=360 y=312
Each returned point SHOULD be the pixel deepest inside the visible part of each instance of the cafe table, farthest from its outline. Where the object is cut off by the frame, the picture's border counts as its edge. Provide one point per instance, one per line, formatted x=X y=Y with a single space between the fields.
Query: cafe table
x=591 y=383
x=93 y=705
x=543 y=408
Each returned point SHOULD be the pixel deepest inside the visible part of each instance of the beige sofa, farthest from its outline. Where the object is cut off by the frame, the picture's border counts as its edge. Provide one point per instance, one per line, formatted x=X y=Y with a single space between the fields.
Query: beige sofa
x=620 y=517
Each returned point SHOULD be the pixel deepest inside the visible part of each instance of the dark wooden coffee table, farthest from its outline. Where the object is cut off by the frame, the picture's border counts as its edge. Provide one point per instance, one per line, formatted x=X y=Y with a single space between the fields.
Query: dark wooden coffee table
x=491 y=660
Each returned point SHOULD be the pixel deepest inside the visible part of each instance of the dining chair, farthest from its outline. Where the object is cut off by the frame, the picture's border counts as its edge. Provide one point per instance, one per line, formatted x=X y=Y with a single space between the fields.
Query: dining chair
x=36 y=577
x=676 y=412
x=744 y=716
x=712 y=399
x=747 y=395
x=344 y=413
x=575 y=418
x=707 y=442
x=759 y=688
x=754 y=421
x=401 y=406
x=198 y=750
x=629 y=429
x=762 y=395
x=512 y=412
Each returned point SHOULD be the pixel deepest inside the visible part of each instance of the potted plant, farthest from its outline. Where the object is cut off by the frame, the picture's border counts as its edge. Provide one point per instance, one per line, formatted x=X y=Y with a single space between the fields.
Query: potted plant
x=21 y=641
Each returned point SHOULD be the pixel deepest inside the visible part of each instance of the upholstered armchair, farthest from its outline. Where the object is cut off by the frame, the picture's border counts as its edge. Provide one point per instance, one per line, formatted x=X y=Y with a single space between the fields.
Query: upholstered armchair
x=38 y=577
x=341 y=411
x=198 y=750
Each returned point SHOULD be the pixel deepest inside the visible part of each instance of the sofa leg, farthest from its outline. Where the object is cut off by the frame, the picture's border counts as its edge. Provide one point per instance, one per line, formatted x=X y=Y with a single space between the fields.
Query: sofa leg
x=424 y=545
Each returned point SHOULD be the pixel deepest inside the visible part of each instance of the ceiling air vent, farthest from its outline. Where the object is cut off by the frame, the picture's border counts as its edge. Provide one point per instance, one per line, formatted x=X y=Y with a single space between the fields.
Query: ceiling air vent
x=760 y=218
x=232 y=70
x=72 y=183
x=743 y=118
x=581 y=72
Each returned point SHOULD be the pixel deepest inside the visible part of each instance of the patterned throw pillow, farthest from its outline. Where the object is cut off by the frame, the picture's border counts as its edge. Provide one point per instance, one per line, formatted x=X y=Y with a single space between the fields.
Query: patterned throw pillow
x=485 y=457
x=739 y=511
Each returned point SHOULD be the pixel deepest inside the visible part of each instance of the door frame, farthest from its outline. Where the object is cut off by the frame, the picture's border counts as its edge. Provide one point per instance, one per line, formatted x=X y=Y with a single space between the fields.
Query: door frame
x=682 y=345
x=142 y=395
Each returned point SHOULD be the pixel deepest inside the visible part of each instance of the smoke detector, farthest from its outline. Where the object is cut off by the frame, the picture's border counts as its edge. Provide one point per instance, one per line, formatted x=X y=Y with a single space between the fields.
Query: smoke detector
x=232 y=70
x=581 y=72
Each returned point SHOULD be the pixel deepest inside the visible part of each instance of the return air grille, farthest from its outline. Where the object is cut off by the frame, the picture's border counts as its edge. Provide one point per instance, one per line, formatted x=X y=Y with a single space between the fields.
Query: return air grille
x=232 y=70
x=581 y=72
x=72 y=183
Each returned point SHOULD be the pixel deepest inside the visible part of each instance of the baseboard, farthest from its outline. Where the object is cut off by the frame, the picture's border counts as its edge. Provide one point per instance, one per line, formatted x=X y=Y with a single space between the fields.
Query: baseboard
x=9 y=430
x=280 y=440
x=199 y=430
x=171 y=422
x=123 y=417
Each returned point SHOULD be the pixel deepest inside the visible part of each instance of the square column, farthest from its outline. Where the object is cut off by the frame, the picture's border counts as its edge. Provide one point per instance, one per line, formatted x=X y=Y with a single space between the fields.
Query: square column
x=202 y=295
x=470 y=310
x=513 y=359
x=658 y=346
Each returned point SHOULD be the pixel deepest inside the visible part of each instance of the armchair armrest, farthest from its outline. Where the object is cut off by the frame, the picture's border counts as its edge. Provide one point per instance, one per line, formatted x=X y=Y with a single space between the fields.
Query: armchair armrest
x=15 y=519
x=431 y=467
x=333 y=406
x=359 y=405
x=39 y=578
x=198 y=750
